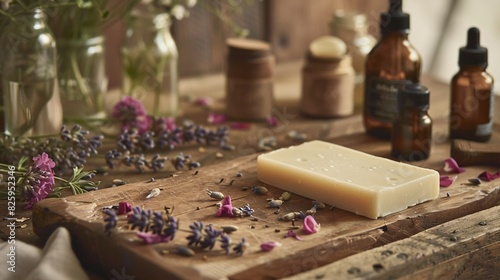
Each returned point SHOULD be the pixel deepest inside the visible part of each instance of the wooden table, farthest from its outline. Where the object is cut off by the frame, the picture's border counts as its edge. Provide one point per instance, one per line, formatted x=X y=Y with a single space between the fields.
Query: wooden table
x=457 y=235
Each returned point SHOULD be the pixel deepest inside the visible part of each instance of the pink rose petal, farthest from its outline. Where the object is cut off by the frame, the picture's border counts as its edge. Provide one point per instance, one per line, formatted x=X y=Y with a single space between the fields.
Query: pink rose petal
x=226 y=210
x=240 y=125
x=488 y=176
x=124 y=207
x=268 y=246
x=310 y=225
x=204 y=101
x=291 y=233
x=150 y=238
x=446 y=181
x=451 y=166
x=214 y=118
x=272 y=121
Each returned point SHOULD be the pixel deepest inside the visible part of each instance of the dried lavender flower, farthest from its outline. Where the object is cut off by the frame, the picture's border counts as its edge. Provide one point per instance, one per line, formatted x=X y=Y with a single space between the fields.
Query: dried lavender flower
x=241 y=247
x=111 y=219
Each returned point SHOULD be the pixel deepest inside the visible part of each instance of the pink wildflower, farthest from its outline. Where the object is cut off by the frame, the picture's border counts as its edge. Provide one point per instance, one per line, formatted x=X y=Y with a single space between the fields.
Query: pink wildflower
x=291 y=233
x=124 y=207
x=310 y=225
x=226 y=209
x=132 y=114
x=204 y=101
x=151 y=238
x=268 y=246
x=42 y=180
x=214 y=118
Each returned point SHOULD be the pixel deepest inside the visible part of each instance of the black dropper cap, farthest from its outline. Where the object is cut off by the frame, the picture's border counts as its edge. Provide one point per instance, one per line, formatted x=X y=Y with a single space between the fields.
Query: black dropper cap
x=394 y=19
x=413 y=96
x=473 y=54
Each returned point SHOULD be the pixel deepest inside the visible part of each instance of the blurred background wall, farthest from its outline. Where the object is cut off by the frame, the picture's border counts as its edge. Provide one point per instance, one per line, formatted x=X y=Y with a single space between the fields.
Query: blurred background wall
x=438 y=30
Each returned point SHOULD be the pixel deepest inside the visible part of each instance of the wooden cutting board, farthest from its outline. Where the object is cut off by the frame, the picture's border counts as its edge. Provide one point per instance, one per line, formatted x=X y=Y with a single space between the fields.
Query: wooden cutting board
x=342 y=233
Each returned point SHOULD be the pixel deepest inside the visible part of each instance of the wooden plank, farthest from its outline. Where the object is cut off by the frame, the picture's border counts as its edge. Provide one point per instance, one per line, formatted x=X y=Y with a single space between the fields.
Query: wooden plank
x=465 y=248
x=342 y=233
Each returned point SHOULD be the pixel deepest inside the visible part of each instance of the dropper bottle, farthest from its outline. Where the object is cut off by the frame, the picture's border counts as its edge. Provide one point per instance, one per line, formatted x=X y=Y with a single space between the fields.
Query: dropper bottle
x=390 y=65
x=471 y=111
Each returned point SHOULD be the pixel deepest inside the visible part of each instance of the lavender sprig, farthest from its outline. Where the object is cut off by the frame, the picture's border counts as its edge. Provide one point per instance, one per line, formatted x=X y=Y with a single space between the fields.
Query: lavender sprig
x=157 y=162
x=71 y=150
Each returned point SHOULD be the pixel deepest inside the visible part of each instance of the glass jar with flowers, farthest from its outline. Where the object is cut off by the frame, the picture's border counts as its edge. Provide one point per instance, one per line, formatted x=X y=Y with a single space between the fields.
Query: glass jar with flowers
x=77 y=27
x=29 y=73
x=150 y=57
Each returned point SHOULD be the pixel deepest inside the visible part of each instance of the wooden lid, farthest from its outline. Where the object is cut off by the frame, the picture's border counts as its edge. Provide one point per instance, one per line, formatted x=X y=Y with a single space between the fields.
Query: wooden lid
x=247 y=48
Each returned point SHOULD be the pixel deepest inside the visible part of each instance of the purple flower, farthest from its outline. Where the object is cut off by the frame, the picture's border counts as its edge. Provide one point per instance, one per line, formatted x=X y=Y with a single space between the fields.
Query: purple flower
x=225 y=241
x=195 y=236
x=226 y=209
x=310 y=225
x=39 y=180
x=132 y=114
x=110 y=219
x=241 y=247
x=450 y=165
x=210 y=238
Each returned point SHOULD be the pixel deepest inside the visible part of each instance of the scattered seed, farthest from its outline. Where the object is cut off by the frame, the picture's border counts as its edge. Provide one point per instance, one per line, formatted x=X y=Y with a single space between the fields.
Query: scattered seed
x=447 y=194
x=275 y=203
x=255 y=219
x=353 y=270
x=196 y=172
x=453 y=238
x=259 y=190
x=402 y=256
x=252 y=226
x=231 y=183
x=277 y=230
x=277 y=211
x=474 y=181
x=201 y=150
x=293 y=227
x=229 y=229
x=266 y=226
x=387 y=253
x=151 y=180
x=219 y=155
x=482 y=223
x=221 y=180
x=118 y=182
x=216 y=195
x=101 y=171
x=153 y=193
x=164 y=252
x=285 y=196
x=198 y=208
x=244 y=188
x=378 y=267
x=237 y=212
x=318 y=204
x=239 y=175
x=185 y=251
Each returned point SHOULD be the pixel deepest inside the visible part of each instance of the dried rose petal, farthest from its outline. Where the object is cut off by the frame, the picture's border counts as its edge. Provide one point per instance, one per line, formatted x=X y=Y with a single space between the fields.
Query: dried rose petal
x=450 y=165
x=291 y=233
x=124 y=207
x=226 y=210
x=214 y=118
x=240 y=125
x=204 y=101
x=488 y=176
x=446 y=181
x=268 y=246
x=151 y=238
x=272 y=121
x=310 y=225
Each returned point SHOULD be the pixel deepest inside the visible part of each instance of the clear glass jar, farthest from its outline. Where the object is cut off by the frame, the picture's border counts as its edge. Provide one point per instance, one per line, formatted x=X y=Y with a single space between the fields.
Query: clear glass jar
x=81 y=61
x=352 y=28
x=29 y=76
x=150 y=63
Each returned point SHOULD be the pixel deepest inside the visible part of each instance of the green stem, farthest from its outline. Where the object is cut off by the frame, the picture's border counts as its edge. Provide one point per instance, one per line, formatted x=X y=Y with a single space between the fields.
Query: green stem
x=80 y=80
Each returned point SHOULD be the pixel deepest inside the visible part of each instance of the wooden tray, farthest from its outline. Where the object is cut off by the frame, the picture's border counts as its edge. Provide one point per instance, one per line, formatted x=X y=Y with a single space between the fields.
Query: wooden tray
x=342 y=233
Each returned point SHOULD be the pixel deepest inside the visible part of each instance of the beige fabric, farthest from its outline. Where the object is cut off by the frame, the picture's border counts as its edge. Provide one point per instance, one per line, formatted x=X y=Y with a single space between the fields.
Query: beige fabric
x=55 y=261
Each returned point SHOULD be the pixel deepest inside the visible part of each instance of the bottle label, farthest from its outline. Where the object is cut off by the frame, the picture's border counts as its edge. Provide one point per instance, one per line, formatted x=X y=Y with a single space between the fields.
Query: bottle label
x=484 y=129
x=382 y=98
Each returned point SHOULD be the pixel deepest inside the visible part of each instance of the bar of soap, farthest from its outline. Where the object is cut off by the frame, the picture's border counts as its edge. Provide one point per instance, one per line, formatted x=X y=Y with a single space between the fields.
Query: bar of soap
x=367 y=185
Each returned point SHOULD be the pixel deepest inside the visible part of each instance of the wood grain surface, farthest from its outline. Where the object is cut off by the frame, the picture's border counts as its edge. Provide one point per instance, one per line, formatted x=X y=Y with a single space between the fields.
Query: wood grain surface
x=342 y=233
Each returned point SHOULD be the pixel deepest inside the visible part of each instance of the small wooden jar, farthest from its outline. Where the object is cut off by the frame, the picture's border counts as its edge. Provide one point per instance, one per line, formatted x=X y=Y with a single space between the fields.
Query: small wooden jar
x=328 y=87
x=249 y=79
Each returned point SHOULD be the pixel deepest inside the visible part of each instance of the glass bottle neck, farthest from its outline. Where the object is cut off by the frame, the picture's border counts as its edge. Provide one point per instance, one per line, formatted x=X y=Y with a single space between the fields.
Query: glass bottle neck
x=35 y=19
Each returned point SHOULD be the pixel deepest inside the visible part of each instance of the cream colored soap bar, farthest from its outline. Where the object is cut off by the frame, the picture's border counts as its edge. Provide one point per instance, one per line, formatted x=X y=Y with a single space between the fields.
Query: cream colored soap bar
x=348 y=179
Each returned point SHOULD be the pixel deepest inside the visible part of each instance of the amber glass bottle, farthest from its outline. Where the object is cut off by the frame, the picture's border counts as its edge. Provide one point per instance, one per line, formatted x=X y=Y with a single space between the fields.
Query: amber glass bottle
x=471 y=112
x=391 y=64
x=412 y=128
